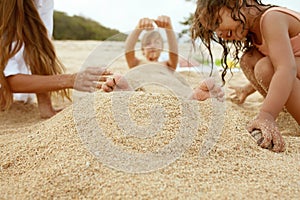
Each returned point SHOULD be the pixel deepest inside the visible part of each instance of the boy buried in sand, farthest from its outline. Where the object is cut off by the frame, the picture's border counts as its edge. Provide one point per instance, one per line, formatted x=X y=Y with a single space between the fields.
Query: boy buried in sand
x=154 y=73
x=152 y=43
x=151 y=70
x=269 y=38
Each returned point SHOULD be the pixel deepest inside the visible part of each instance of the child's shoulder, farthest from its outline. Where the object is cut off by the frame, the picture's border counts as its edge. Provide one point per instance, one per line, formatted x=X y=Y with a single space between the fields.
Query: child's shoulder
x=274 y=12
x=273 y=16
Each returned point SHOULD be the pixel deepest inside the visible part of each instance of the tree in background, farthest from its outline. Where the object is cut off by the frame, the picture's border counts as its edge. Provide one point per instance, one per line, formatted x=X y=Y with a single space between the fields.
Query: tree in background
x=187 y=21
x=80 y=28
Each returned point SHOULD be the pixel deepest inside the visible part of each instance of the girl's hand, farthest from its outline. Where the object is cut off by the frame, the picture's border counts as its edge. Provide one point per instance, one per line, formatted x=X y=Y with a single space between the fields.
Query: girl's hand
x=270 y=132
x=89 y=79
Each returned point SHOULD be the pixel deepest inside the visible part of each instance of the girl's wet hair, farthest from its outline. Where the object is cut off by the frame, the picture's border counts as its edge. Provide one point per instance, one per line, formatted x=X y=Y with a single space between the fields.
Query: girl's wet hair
x=20 y=24
x=207 y=12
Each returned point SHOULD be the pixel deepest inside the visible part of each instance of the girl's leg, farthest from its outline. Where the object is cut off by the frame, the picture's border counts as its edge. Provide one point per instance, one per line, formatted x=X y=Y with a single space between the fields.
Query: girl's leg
x=264 y=72
x=247 y=63
x=292 y=104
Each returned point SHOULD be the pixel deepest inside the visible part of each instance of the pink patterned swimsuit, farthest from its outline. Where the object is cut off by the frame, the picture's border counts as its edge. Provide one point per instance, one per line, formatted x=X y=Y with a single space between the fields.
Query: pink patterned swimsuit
x=295 y=41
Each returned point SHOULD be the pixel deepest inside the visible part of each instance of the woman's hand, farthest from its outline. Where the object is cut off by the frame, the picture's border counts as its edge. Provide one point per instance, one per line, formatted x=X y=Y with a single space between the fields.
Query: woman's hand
x=265 y=122
x=90 y=79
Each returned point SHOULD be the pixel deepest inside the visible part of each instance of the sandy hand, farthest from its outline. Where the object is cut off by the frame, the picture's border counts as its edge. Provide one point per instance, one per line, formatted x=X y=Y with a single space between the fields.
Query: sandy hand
x=89 y=79
x=270 y=132
x=208 y=89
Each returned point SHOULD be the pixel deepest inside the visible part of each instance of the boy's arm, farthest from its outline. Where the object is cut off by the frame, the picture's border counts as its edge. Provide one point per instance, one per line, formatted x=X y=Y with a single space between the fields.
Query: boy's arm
x=165 y=22
x=130 y=43
x=173 y=49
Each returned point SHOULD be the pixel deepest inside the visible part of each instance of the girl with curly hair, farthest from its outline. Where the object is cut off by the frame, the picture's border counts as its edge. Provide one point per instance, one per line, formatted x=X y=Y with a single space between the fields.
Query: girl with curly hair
x=265 y=39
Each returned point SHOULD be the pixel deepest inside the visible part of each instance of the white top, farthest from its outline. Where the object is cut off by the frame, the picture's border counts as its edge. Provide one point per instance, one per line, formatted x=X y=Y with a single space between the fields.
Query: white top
x=17 y=65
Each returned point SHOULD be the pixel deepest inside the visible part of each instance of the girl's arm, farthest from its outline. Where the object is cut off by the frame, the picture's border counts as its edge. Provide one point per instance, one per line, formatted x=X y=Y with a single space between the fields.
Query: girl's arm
x=281 y=55
x=276 y=34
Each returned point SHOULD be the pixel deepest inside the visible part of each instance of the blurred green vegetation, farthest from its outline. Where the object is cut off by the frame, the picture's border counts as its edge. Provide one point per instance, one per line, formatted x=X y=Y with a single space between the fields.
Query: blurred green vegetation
x=80 y=28
x=187 y=21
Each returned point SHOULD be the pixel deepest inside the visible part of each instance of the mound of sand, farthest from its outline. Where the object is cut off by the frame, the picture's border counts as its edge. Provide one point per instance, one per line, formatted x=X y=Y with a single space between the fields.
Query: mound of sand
x=146 y=145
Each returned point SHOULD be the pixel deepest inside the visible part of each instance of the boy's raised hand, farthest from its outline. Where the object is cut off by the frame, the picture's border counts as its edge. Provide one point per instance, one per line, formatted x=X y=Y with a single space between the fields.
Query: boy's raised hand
x=145 y=24
x=163 y=22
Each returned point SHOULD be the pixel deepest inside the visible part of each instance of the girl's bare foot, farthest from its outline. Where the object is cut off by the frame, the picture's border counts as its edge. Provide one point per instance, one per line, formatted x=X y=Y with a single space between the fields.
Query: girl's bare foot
x=208 y=89
x=241 y=93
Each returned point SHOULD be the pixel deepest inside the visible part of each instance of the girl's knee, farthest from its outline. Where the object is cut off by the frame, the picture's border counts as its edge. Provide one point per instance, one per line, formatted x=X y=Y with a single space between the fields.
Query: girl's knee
x=263 y=72
x=250 y=58
x=245 y=59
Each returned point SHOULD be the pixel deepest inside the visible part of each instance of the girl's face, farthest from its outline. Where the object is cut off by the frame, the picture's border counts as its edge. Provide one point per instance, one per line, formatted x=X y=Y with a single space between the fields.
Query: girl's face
x=152 y=49
x=228 y=28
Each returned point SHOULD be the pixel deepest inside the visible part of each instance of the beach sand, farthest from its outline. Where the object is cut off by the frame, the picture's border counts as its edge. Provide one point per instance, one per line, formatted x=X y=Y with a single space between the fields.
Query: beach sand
x=112 y=146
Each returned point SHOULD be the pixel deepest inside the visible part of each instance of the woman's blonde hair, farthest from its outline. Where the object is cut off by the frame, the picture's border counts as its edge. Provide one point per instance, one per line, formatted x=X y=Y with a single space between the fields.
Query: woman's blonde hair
x=20 y=24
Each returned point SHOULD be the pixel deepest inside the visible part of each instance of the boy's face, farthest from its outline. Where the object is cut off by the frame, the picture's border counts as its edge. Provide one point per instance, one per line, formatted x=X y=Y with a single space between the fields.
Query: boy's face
x=152 y=49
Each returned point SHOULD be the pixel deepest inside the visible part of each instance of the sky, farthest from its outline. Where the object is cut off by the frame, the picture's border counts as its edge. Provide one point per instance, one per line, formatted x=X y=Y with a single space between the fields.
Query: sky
x=124 y=15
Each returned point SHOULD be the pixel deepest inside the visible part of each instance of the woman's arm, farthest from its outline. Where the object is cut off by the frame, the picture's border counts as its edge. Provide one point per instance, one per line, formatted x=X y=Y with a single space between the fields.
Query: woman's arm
x=24 y=83
x=86 y=80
